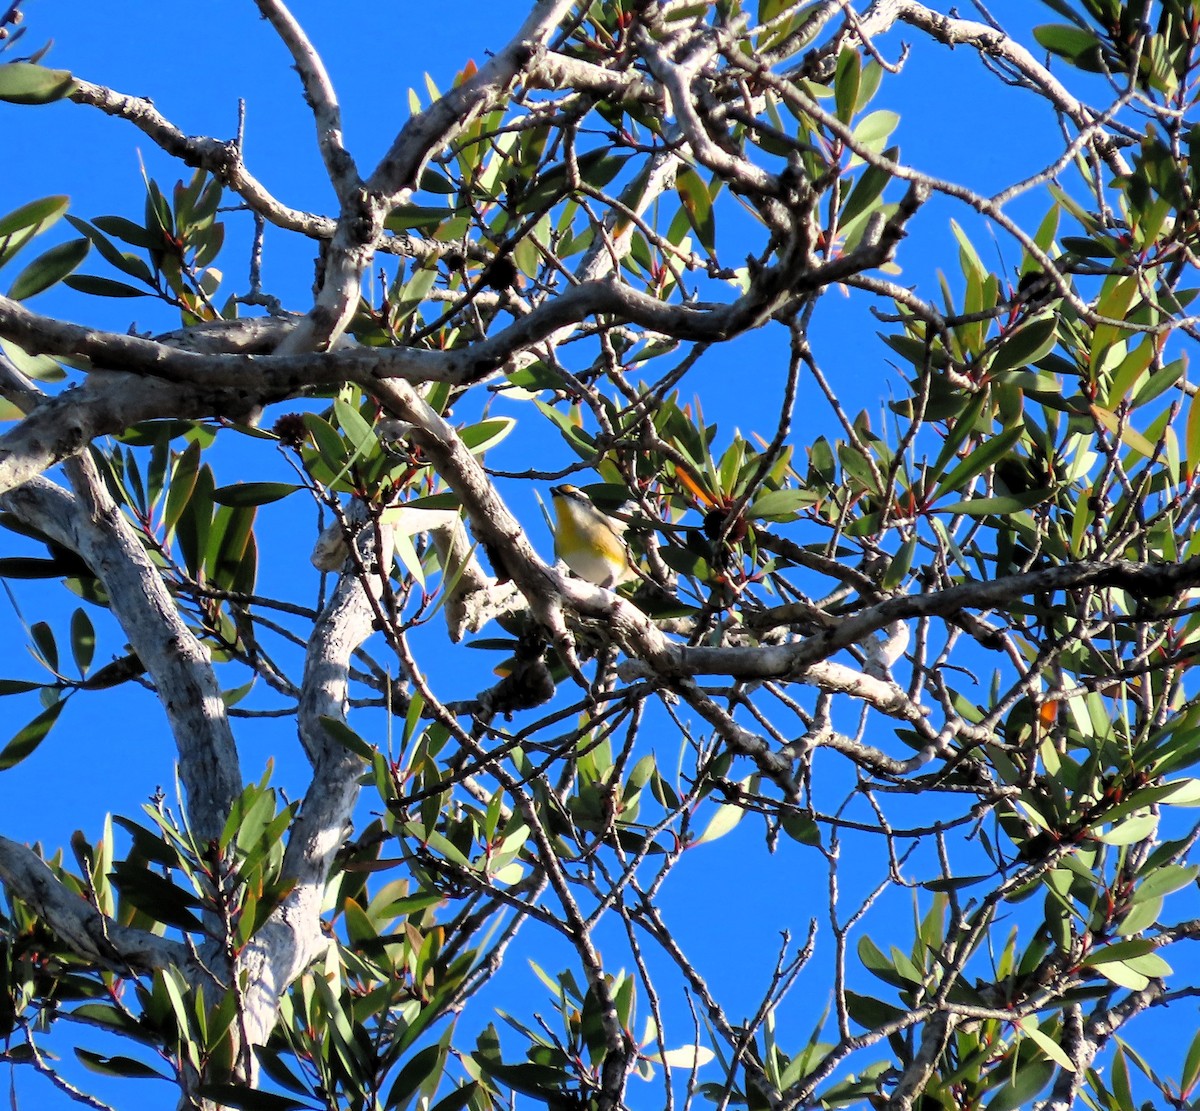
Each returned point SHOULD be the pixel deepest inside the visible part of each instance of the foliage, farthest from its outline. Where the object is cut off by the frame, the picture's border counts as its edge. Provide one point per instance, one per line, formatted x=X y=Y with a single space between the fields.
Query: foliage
x=956 y=641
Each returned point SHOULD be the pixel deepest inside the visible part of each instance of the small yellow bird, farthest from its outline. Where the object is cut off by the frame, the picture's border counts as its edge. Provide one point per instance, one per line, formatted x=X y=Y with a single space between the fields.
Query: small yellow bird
x=591 y=543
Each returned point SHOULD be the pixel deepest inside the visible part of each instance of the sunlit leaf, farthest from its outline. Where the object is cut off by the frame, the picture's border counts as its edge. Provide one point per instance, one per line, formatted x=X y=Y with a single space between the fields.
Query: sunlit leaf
x=26 y=83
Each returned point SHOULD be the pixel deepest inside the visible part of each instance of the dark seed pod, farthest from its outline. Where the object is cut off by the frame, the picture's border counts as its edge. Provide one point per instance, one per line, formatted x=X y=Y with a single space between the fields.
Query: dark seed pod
x=501 y=274
x=291 y=429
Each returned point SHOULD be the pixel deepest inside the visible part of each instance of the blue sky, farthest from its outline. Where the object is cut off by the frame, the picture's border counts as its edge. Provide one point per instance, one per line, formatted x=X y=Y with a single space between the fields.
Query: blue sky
x=110 y=752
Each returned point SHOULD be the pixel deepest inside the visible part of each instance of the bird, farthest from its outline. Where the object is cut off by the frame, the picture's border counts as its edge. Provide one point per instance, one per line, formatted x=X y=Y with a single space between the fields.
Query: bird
x=588 y=541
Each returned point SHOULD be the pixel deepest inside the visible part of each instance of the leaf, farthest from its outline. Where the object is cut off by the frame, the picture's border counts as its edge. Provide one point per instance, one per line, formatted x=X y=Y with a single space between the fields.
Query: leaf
x=866 y=192
x=133 y=234
x=1020 y=1090
x=1192 y=434
x=420 y=1068
x=780 y=505
x=1078 y=46
x=406 y=553
x=1030 y=342
x=478 y=438
x=157 y=896
x=39 y=215
x=249 y=1099
x=17 y=686
x=242 y=494
x=530 y=1078
x=846 y=82
x=953 y=883
x=358 y=432
x=102 y=287
x=49 y=268
x=1045 y=1043
x=1000 y=505
x=83 y=640
x=698 y=207
x=127 y=1067
x=686 y=1057
x=416 y=217
x=1142 y=915
x=111 y=1018
x=1150 y=964
x=1121 y=974
x=27 y=83
x=1130 y=831
x=991 y=451
x=726 y=817
x=347 y=738
x=874 y=129
x=875 y=961
x=870 y=1012
x=30 y=567
x=801 y=828
x=1130 y=437
x=27 y=739
x=1163 y=881
x=1191 y=1066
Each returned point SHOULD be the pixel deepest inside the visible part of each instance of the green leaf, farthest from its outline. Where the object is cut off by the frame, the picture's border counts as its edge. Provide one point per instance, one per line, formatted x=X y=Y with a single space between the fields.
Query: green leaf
x=876 y=962
x=358 y=432
x=102 y=287
x=111 y=1018
x=1080 y=47
x=1121 y=974
x=1164 y=880
x=1030 y=342
x=39 y=215
x=1191 y=1066
x=416 y=1072
x=1142 y=915
x=27 y=83
x=953 y=883
x=866 y=192
x=845 y=83
x=347 y=738
x=874 y=129
x=697 y=205
x=406 y=553
x=31 y=567
x=127 y=1067
x=800 y=827
x=1000 y=505
x=18 y=686
x=1045 y=1043
x=242 y=494
x=870 y=1012
x=1130 y=831
x=416 y=217
x=157 y=896
x=83 y=640
x=781 y=505
x=131 y=233
x=990 y=452
x=126 y=263
x=726 y=817
x=49 y=268
x=1018 y=1092
x=30 y=737
x=183 y=482
x=1130 y=436
x=248 y=1099
x=1150 y=964
x=481 y=437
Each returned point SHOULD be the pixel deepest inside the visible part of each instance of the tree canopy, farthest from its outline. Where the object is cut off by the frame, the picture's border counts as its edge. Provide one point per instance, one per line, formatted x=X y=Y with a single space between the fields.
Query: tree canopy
x=917 y=668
